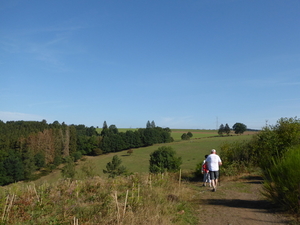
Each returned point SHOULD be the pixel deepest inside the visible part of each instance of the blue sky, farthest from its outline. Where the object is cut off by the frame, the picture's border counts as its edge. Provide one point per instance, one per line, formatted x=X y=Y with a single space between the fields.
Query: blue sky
x=184 y=64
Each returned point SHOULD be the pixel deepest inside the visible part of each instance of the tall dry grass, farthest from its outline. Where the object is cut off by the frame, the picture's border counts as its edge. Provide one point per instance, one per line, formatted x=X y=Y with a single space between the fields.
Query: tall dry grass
x=136 y=199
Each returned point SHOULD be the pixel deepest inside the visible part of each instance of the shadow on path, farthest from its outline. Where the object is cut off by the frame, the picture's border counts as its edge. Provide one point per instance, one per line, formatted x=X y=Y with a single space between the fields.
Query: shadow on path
x=238 y=203
x=253 y=179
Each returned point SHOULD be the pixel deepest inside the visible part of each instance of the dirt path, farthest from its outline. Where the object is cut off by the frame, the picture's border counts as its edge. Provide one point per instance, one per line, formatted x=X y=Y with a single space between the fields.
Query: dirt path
x=236 y=203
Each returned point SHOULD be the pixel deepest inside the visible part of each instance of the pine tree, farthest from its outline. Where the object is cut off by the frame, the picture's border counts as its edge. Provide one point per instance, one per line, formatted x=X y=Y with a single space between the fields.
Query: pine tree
x=227 y=129
x=152 y=125
x=114 y=167
x=104 y=129
x=221 y=130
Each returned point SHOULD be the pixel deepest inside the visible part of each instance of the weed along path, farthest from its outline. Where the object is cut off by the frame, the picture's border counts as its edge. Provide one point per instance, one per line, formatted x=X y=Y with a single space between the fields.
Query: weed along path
x=235 y=203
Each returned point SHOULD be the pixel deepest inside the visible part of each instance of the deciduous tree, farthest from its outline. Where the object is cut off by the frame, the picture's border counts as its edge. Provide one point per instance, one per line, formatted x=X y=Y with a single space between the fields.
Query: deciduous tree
x=189 y=134
x=239 y=128
x=184 y=136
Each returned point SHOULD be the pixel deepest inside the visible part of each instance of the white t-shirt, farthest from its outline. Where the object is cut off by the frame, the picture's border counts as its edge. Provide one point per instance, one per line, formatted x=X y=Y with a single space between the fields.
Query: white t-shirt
x=213 y=161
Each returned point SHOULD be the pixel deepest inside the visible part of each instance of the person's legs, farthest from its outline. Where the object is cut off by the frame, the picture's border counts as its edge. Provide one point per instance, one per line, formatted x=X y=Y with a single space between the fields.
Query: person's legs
x=208 y=179
x=216 y=184
x=216 y=178
x=213 y=184
x=212 y=179
x=204 y=178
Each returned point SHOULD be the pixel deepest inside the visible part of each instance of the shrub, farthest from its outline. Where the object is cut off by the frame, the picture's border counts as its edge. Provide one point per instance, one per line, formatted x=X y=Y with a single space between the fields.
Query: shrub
x=235 y=152
x=114 y=167
x=130 y=151
x=164 y=159
x=198 y=170
x=282 y=180
x=184 y=136
x=274 y=141
x=77 y=156
x=88 y=169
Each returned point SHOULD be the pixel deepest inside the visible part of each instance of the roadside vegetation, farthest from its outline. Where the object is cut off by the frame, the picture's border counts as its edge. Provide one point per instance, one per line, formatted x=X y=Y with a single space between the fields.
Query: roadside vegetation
x=276 y=151
x=135 y=199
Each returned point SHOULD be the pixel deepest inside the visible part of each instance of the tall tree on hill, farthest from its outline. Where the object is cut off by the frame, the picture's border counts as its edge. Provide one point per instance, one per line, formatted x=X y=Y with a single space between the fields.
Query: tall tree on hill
x=148 y=125
x=104 y=125
x=104 y=129
x=239 y=128
x=152 y=125
x=149 y=137
x=13 y=168
x=113 y=129
x=221 y=130
x=28 y=164
x=227 y=129
x=73 y=140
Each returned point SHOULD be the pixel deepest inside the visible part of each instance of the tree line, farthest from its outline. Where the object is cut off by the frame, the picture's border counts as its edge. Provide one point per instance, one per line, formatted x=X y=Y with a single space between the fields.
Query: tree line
x=112 y=140
x=238 y=128
x=30 y=146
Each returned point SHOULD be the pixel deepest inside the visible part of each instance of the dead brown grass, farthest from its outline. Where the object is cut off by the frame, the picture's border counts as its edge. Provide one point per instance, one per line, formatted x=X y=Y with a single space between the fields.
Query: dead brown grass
x=137 y=199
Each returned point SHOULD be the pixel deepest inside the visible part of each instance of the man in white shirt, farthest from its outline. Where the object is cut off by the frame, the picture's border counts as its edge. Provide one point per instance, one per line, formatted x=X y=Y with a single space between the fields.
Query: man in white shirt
x=213 y=162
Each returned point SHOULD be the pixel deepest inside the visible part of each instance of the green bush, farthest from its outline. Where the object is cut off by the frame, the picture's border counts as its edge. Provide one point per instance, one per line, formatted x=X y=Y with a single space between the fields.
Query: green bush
x=164 y=159
x=184 y=136
x=114 y=168
x=198 y=170
x=282 y=180
x=237 y=157
x=274 y=141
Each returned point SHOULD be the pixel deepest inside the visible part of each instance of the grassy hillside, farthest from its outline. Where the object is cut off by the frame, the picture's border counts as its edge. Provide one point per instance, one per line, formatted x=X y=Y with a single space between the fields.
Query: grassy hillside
x=191 y=151
x=141 y=198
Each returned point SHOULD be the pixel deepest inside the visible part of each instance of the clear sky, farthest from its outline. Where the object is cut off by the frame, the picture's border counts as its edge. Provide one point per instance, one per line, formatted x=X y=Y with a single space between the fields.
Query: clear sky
x=181 y=63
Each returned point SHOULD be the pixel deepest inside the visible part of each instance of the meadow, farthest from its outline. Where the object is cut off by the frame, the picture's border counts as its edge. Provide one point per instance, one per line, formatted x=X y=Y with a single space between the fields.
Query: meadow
x=191 y=151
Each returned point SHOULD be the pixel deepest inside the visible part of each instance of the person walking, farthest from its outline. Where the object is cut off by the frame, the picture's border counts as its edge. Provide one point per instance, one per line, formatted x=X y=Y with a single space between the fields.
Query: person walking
x=213 y=162
x=205 y=172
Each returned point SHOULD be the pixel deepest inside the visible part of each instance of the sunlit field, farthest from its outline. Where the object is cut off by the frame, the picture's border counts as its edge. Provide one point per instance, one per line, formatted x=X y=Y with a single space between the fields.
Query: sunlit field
x=192 y=152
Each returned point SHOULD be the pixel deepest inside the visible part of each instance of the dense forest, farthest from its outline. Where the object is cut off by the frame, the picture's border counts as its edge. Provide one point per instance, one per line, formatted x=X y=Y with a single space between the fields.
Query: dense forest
x=30 y=148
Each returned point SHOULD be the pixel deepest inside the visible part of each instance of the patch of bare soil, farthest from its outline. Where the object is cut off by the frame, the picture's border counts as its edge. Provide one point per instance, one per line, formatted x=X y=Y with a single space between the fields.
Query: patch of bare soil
x=236 y=203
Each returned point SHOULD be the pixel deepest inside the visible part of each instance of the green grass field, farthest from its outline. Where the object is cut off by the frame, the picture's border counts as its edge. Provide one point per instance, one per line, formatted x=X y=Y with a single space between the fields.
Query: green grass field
x=192 y=152
x=176 y=133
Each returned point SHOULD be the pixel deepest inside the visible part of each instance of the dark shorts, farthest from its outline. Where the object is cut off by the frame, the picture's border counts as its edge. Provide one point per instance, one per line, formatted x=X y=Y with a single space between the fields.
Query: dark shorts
x=214 y=175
